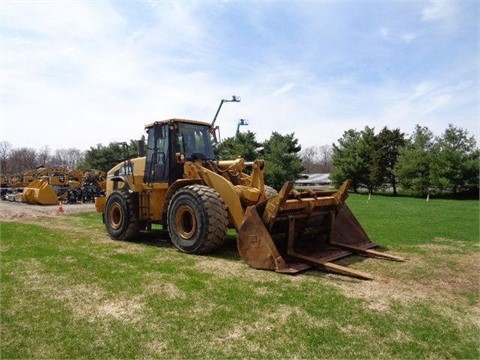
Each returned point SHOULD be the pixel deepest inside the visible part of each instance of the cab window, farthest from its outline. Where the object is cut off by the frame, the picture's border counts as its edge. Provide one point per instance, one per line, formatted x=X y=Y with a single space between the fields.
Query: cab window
x=195 y=141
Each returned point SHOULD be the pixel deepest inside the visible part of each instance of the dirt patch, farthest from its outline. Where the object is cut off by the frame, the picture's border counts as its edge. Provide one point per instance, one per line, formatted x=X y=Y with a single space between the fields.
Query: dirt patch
x=14 y=211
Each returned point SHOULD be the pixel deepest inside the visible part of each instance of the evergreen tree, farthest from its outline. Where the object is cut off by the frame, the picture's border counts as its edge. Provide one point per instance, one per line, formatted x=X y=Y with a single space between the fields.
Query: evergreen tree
x=414 y=162
x=389 y=143
x=455 y=165
x=103 y=158
x=242 y=145
x=371 y=177
x=354 y=158
x=282 y=160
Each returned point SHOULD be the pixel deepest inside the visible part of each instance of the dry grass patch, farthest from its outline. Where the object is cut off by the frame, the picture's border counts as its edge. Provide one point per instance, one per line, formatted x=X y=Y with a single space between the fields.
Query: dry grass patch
x=128 y=311
x=361 y=330
x=440 y=279
x=220 y=267
x=160 y=349
x=72 y=227
x=284 y=315
x=85 y=301
x=238 y=269
x=168 y=290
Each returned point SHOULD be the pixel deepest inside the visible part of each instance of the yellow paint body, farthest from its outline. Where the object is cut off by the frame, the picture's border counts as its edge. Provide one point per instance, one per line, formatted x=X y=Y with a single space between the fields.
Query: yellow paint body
x=154 y=197
x=287 y=233
x=39 y=192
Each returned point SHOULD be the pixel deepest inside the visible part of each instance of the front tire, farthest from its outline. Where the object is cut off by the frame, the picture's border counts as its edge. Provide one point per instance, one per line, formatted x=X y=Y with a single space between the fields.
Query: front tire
x=120 y=215
x=197 y=220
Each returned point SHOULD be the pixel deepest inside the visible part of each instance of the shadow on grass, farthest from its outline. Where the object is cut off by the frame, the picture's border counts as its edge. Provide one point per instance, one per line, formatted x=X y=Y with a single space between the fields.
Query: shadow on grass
x=160 y=238
x=228 y=251
x=156 y=237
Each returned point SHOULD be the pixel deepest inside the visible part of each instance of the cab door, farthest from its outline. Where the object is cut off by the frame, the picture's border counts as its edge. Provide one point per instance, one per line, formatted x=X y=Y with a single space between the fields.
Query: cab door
x=157 y=167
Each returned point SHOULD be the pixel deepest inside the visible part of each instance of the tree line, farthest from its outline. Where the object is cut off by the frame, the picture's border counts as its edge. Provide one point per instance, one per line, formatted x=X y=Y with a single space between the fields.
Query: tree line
x=101 y=157
x=18 y=160
x=420 y=164
x=280 y=152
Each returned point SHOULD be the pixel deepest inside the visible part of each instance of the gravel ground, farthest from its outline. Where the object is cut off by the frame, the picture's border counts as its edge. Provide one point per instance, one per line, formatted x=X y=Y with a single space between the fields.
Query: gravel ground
x=11 y=211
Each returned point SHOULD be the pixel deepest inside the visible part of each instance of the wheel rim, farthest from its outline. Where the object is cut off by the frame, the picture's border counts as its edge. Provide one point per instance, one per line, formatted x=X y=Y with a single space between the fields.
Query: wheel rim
x=115 y=216
x=185 y=222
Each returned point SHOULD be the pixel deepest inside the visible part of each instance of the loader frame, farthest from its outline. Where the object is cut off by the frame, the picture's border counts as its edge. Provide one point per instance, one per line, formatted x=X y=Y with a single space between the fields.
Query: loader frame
x=196 y=197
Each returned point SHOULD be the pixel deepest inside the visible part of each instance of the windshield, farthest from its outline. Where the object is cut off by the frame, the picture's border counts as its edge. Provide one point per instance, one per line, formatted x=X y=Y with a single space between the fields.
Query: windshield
x=195 y=141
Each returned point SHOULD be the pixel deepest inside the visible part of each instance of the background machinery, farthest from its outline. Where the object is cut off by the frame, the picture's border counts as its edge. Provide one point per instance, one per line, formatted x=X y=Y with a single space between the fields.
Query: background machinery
x=49 y=185
x=180 y=184
x=241 y=122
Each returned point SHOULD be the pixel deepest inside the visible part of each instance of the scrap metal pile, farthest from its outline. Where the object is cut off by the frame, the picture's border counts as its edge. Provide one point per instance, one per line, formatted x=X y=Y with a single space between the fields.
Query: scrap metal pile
x=50 y=185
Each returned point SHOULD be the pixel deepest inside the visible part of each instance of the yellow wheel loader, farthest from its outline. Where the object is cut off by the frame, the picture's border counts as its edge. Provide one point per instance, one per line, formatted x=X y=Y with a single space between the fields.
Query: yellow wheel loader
x=180 y=184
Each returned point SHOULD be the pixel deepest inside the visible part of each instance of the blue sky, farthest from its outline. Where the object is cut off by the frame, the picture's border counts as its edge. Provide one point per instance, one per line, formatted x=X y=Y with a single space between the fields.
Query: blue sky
x=79 y=73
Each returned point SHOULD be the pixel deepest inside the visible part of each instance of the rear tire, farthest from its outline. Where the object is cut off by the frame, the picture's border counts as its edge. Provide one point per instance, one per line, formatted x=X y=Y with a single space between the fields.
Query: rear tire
x=197 y=219
x=120 y=215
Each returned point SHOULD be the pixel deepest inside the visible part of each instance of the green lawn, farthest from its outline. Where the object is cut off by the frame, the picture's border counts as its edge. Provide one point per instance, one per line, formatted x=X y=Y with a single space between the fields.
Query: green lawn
x=68 y=291
x=404 y=221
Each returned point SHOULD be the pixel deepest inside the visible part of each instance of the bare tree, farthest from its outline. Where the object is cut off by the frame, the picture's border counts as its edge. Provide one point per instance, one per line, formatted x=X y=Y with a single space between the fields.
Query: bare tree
x=326 y=163
x=309 y=156
x=317 y=159
x=23 y=159
x=43 y=156
x=68 y=157
x=5 y=152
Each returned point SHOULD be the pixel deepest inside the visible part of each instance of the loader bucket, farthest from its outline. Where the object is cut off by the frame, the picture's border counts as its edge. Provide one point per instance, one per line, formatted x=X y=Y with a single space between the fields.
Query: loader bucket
x=39 y=192
x=294 y=231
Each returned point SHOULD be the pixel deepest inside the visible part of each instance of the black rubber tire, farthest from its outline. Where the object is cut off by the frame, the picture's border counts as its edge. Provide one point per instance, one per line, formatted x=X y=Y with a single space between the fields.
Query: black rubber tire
x=269 y=191
x=121 y=215
x=197 y=219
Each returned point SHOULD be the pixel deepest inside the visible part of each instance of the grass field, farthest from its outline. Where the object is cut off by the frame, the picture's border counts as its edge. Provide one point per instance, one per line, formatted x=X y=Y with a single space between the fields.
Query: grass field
x=68 y=291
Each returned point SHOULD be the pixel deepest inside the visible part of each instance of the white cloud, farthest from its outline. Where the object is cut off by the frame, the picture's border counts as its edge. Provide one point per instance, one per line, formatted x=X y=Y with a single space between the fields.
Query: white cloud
x=80 y=73
x=388 y=35
x=408 y=37
x=81 y=78
x=439 y=10
x=434 y=105
x=61 y=20
x=284 y=89
x=385 y=33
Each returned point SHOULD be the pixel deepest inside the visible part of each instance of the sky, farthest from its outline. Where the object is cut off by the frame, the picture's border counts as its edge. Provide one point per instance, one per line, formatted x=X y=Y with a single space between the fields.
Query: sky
x=75 y=74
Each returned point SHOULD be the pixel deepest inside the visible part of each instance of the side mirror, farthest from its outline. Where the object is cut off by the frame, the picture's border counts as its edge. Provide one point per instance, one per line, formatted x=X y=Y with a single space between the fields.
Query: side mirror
x=215 y=132
x=141 y=146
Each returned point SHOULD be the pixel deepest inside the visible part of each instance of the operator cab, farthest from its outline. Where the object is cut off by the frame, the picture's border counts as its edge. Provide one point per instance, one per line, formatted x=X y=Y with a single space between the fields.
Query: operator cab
x=172 y=142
